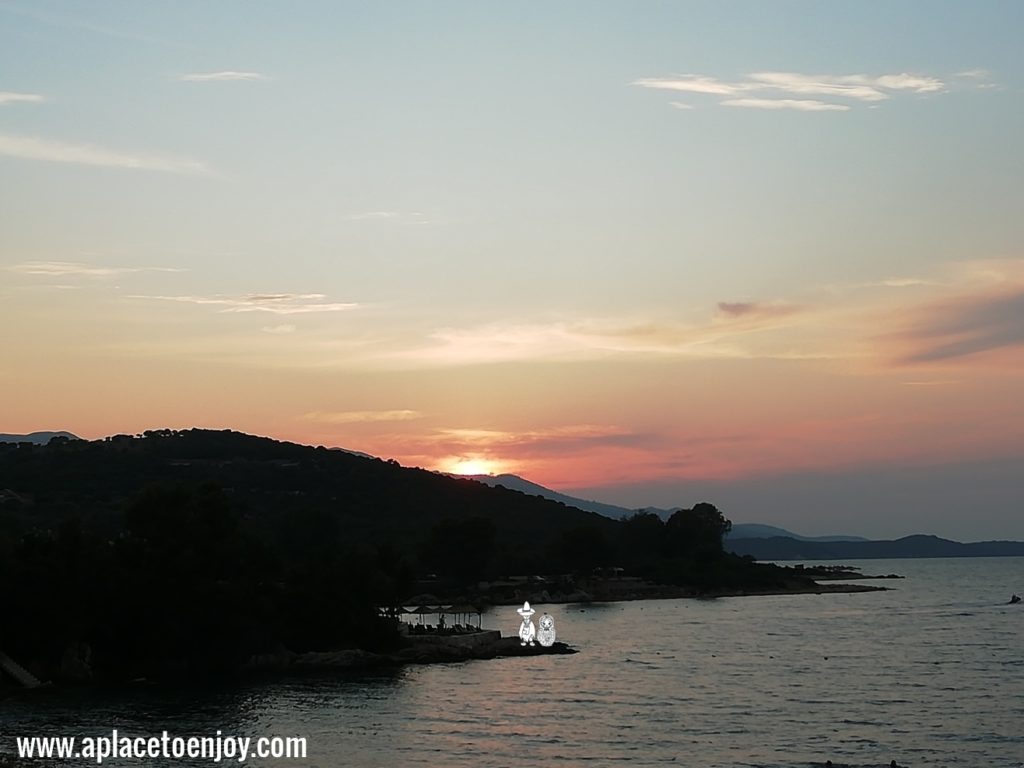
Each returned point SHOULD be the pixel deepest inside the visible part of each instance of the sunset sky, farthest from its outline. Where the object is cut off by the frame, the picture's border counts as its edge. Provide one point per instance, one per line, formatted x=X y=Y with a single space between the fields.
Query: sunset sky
x=764 y=254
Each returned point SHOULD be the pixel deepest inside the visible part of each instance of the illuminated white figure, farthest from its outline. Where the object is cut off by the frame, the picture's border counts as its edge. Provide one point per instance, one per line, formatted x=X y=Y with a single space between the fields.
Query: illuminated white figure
x=546 y=633
x=527 y=632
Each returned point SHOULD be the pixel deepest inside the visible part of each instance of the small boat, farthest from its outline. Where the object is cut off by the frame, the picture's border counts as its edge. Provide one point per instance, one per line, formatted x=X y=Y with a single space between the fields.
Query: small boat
x=1014 y=599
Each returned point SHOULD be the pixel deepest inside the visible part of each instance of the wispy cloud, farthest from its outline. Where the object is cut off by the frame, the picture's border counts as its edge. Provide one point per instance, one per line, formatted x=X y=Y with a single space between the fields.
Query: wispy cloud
x=751 y=309
x=974 y=74
x=961 y=309
x=903 y=282
x=802 y=105
x=859 y=87
x=965 y=326
x=756 y=90
x=372 y=216
x=691 y=84
x=74 y=268
x=540 y=442
x=225 y=76
x=279 y=330
x=962 y=315
x=595 y=338
x=357 y=417
x=838 y=289
x=11 y=97
x=501 y=342
x=274 y=303
x=980 y=79
x=988 y=273
x=34 y=148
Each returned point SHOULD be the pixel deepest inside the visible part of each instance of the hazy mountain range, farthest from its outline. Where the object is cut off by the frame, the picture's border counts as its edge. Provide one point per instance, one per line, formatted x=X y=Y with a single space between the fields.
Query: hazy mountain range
x=769 y=542
x=918 y=545
x=739 y=530
x=36 y=438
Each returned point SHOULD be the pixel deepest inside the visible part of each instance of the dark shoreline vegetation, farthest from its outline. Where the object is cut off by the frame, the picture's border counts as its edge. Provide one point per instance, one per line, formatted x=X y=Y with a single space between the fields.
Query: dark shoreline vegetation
x=186 y=553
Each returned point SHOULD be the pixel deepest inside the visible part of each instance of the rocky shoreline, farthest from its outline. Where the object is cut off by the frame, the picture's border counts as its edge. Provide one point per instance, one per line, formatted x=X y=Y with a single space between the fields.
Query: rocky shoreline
x=488 y=644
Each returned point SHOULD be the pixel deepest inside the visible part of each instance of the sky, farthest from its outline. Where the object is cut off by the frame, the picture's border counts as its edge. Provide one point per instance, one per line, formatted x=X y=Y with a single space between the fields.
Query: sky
x=764 y=254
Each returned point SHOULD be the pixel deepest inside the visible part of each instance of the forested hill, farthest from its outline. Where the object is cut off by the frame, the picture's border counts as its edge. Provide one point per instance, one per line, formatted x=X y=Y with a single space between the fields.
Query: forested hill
x=273 y=482
x=188 y=552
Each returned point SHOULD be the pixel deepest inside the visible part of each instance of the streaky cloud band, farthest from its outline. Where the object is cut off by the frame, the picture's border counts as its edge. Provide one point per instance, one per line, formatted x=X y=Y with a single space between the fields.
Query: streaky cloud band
x=35 y=148
x=225 y=76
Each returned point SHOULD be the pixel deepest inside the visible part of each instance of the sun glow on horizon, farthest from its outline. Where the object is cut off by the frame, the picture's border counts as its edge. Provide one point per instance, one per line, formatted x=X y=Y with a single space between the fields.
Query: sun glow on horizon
x=471 y=465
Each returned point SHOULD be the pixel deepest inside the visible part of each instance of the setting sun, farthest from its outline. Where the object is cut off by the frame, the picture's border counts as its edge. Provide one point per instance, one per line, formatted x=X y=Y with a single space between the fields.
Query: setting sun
x=461 y=465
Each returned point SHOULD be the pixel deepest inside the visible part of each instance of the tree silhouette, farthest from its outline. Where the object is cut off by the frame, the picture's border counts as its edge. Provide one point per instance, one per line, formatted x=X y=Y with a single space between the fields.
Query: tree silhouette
x=697 y=531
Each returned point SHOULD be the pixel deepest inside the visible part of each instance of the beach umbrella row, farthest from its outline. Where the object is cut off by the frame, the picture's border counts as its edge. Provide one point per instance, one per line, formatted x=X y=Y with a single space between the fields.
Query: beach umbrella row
x=443 y=610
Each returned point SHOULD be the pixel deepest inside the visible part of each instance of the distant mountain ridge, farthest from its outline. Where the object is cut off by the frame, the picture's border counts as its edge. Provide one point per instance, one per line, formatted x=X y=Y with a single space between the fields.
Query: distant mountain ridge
x=36 y=438
x=760 y=531
x=918 y=545
x=516 y=483
x=769 y=542
x=739 y=530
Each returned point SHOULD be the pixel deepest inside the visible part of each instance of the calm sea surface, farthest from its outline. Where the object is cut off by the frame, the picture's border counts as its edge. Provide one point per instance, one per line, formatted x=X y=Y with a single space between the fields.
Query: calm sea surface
x=930 y=673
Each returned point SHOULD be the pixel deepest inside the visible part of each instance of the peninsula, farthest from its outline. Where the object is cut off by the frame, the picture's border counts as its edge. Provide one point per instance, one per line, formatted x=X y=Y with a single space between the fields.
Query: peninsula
x=191 y=552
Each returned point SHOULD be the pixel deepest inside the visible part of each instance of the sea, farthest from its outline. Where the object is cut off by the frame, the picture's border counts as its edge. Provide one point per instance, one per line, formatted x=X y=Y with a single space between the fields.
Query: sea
x=928 y=673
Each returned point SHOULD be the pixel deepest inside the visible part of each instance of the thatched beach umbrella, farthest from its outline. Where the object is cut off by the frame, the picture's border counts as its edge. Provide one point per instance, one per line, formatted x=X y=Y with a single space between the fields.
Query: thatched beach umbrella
x=425 y=610
x=465 y=609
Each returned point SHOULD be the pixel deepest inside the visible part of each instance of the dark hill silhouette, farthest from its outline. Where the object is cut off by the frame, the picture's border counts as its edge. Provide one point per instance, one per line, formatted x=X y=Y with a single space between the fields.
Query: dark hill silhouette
x=177 y=552
x=375 y=500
